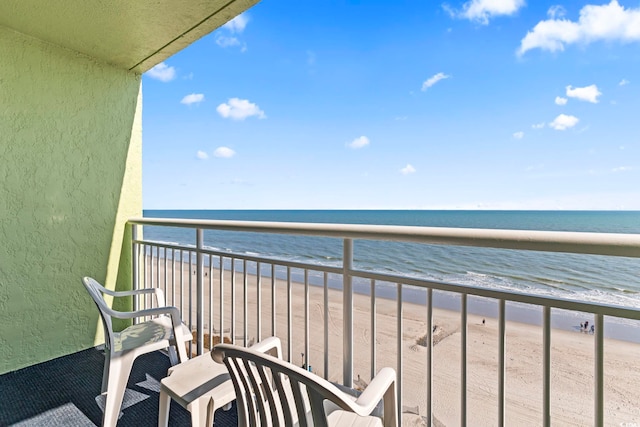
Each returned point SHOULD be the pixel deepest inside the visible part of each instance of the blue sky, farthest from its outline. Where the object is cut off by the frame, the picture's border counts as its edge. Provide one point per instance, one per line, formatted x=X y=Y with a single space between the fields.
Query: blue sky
x=484 y=104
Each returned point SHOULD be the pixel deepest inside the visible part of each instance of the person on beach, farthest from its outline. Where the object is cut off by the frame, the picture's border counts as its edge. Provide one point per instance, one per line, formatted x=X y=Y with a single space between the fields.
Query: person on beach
x=586 y=326
x=593 y=329
x=581 y=327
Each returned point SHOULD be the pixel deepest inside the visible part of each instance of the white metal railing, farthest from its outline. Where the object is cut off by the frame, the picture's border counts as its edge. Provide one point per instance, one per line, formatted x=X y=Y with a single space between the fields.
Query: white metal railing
x=163 y=264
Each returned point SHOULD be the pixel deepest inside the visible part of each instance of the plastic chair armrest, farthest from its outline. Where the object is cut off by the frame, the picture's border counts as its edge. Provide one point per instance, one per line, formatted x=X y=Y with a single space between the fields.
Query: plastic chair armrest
x=271 y=345
x=170 y=310
x=376 y=391
x=133 y=292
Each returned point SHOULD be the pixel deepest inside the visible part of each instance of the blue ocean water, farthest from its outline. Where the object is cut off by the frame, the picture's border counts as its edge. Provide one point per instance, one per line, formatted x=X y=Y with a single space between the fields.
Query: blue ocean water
x=611 y=280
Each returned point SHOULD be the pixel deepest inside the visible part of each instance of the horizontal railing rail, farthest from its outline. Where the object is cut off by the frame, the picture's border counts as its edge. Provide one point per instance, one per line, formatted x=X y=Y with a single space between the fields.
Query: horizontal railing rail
x=614 y=244
x=164 y=264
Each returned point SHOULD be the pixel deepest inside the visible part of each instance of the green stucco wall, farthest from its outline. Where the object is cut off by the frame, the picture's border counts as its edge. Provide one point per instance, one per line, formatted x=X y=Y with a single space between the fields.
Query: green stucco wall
x=70 y=176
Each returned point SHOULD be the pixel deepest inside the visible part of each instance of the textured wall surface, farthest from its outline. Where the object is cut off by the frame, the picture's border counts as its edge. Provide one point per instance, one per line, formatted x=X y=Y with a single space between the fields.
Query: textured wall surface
x=70 y=159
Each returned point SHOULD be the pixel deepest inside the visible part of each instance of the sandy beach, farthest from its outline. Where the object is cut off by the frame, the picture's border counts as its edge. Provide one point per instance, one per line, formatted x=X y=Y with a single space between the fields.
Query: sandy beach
x=572 y=378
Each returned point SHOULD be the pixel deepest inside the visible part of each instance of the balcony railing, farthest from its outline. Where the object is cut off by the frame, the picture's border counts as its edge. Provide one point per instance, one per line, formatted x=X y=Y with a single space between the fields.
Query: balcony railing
x=245 y=297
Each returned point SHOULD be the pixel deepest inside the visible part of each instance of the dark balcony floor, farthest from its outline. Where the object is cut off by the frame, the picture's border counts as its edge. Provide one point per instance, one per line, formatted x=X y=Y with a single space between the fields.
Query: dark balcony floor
x=62 y=392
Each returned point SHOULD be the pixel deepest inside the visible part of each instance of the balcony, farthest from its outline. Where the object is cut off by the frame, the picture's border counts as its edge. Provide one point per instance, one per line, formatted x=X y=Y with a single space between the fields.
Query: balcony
x=464 y=355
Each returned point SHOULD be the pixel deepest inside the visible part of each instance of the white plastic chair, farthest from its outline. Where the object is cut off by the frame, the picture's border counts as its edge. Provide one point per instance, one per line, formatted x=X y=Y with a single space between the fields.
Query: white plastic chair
x=272 y=392
x=122 y=348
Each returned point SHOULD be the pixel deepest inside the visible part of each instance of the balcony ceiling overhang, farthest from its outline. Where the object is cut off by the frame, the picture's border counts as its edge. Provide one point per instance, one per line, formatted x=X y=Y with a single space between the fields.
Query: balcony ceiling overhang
x=131 y=34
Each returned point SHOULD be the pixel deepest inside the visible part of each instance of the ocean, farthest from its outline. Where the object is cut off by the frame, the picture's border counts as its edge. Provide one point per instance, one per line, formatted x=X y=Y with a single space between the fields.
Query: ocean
x=601 y=279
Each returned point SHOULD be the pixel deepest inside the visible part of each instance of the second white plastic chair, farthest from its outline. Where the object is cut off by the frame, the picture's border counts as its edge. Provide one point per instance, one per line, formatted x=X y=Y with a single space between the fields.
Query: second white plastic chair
x=272 y=392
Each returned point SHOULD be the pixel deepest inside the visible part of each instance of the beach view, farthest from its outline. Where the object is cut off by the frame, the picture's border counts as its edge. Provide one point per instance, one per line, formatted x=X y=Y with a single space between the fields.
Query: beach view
x=487 y=115
x=319 y=324
x=572 y=352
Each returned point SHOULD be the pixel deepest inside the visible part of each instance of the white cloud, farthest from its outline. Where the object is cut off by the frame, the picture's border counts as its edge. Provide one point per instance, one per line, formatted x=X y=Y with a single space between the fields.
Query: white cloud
x=623 y=82
x=227 y=41
x=239 y=109
x=518 y=135
x=433 y=80
x=202 y=155
x=610 y=22
x=538 y=125
x=227 y=37
x=537 y=167
x=621 y=169
x=360 y=142
x=194 y=98
x=237 y=24
x=587 y=93
x=162 y=72
x=224 y=152
x=407 y=170
x=556 y=11
x=482 y=10
x=561 y=101
x=563 y=122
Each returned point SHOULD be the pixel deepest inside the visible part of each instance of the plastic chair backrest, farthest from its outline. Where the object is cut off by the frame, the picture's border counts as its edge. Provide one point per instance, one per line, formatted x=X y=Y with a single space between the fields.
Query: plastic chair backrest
x=272 y=392
x=97 y=291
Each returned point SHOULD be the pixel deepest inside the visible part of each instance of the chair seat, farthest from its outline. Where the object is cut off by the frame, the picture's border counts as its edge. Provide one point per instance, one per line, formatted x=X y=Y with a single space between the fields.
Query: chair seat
x=347 y=418
x=199 y=385
x=153 y=331
x=197 y=378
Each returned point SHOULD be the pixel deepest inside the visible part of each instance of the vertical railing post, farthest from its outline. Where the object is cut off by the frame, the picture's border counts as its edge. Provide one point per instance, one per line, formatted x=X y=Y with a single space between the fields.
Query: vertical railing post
x=245 y=310
x=546 y=367
x=464 y=327
x=429 y=412
x=502 y=361
x=273 y=300
x=199 y=291
x=232 y=327
x=347 y=313
x=289 y=317
x=135 y=265
x=399 y=327
x=259 y=304
x=307 y=358
x=373 y=327
x=599 y=370
x=326 y=325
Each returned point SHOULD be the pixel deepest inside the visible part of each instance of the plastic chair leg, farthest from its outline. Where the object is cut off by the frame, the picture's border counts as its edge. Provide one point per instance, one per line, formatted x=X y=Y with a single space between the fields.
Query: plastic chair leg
x=173 y=356
x=165 y=406
x=105 y=372
x=119 y=370
x=201 y=413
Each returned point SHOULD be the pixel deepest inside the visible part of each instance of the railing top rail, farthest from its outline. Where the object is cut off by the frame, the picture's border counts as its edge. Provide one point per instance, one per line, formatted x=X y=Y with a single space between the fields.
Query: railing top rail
x=612 y=244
